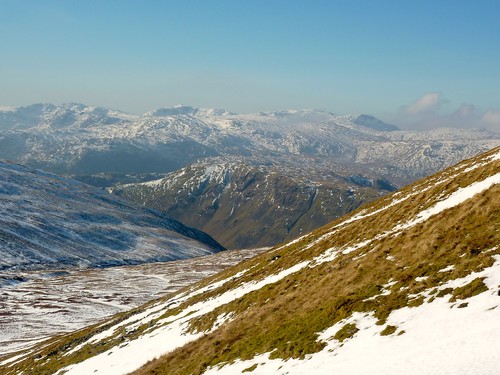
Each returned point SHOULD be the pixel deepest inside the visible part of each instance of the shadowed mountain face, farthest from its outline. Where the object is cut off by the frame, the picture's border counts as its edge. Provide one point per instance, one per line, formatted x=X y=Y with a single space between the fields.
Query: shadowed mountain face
x=244 y=205
x=409 y=282
x=49 y=221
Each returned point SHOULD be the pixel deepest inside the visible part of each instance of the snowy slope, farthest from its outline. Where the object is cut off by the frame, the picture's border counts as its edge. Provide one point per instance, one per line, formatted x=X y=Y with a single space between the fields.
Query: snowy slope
x=49 y=221
x=408 y=283
x=49 y=303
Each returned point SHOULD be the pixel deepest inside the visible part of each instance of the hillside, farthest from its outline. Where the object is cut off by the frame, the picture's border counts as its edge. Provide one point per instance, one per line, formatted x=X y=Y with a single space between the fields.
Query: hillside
x=244 y=205
x=408 y=283
x=49 y=303
x=48 y=221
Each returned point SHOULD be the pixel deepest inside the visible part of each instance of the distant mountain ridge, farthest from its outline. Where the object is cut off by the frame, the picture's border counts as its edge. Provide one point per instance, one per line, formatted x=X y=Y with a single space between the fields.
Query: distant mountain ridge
x=48 y=221
x=78 y=139
x=408 y=283
x=374 y=123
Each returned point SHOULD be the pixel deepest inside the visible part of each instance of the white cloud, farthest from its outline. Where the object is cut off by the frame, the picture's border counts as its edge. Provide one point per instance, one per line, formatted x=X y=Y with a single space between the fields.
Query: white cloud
x=491 y=118
x=426 y=113
x=465 y=111
x=428 y=102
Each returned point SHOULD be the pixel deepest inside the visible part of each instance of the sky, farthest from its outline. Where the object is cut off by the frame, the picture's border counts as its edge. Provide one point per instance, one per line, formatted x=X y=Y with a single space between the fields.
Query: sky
x=418 y=64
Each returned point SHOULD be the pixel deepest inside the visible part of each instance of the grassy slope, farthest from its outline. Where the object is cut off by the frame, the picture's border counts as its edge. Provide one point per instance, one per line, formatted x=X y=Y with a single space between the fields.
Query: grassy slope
x=287 y=316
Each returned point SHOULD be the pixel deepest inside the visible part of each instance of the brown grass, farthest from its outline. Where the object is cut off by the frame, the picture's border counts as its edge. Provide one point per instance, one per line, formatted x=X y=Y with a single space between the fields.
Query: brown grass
x=285 y=317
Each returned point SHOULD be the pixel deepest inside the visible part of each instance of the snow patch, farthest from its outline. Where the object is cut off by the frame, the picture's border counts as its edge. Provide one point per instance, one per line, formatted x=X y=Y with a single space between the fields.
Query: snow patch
x=452 y=341
x=171 y=334
x=456 y=198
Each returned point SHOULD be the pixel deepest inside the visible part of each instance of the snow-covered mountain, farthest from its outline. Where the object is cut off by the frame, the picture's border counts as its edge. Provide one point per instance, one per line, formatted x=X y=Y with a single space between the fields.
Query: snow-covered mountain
x=242 y=204
x=303 y=154
x=52 y=116
x=74 y=138
x=49 y=221
x=408 y=283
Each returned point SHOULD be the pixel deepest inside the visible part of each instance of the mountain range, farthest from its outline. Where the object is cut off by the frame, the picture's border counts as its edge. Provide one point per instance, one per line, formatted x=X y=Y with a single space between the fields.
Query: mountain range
x=246 y=179
x=247 y=205
x=407 y=283
x=74 y=138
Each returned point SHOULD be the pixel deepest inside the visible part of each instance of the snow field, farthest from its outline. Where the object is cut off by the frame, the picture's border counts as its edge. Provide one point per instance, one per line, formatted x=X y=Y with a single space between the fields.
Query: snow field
x=170 y=335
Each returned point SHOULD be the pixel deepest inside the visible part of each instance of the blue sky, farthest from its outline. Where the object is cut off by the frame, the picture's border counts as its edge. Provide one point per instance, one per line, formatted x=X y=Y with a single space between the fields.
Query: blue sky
x=417 y=63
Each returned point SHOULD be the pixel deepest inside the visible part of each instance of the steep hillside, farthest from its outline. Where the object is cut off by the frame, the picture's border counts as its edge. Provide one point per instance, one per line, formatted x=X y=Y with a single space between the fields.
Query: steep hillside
x=409 y=283
x=49 y=221
x=244 y=205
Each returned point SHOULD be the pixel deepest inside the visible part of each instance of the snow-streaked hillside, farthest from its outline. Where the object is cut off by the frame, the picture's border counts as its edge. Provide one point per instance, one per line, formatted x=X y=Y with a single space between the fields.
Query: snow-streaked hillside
x=49 y=303
x=49 y=221
x=409 y=283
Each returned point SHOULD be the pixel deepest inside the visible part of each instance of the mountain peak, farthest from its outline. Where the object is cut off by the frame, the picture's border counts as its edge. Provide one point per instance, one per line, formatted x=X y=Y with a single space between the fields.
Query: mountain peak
x=374 y=123
x=65 y=115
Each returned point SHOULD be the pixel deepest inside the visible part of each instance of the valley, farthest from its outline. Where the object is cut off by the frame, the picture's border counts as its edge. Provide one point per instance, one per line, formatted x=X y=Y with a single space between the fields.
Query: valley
x=247 y=205
x=259 y=187
x=36 y=305
x=111 y=274
x=47 y=221
x=254 y=179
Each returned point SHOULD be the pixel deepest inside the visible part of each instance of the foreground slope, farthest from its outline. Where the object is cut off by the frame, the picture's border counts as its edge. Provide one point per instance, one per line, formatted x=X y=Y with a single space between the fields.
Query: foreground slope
x=49 y=221
x=409 y=283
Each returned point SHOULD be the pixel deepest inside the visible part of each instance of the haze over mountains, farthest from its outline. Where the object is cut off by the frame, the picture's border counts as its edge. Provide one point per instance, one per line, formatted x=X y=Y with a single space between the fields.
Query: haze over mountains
x=408 y=282
x=246 y=179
